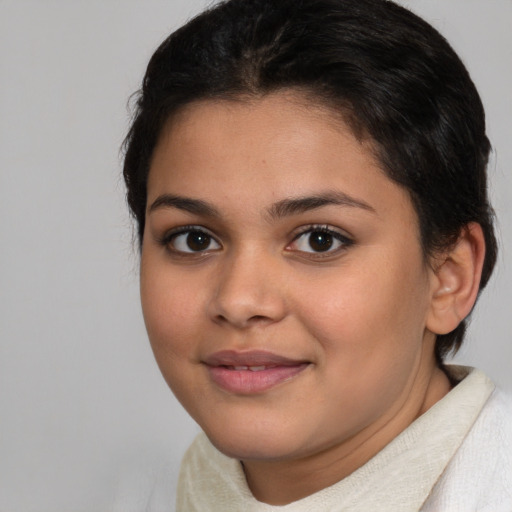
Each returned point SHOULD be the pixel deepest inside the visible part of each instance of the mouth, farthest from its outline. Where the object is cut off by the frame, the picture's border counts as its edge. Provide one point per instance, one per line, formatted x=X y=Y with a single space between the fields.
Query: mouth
x=251 y=372
x=250 y=368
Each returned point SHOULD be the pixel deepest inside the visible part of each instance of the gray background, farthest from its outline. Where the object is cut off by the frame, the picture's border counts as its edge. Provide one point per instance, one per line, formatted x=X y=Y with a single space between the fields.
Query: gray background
x=84 y=413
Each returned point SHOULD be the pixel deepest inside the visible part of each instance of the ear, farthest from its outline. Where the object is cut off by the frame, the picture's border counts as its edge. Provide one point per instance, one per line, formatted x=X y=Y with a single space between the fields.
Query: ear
x=456 y=280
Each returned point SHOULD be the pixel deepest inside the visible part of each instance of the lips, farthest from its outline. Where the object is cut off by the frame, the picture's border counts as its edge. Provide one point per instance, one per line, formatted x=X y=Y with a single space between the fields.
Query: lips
x=251 y=372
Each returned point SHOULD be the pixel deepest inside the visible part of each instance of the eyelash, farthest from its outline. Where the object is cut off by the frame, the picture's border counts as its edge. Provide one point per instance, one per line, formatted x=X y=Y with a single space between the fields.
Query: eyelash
x=344 y=241
x=169 y=237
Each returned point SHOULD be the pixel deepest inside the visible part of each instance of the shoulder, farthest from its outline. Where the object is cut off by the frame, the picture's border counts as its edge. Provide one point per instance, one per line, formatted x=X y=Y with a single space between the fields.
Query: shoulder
x=479 y=476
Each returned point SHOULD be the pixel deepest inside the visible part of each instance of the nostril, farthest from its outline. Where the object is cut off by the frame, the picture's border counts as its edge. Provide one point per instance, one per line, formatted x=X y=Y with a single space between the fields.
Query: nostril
x=258 y=317
x=243 y=322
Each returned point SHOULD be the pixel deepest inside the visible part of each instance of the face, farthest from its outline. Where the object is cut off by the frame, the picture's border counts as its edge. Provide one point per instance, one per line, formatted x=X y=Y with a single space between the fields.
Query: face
x=283 y=285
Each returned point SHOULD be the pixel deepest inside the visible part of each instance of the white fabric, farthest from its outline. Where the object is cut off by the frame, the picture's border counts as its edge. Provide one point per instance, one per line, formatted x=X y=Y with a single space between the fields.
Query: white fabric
x=479 y=477
x=457 y=457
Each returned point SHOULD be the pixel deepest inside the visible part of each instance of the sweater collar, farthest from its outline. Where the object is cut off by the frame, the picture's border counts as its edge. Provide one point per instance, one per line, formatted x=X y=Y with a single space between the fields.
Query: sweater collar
x=398 y=479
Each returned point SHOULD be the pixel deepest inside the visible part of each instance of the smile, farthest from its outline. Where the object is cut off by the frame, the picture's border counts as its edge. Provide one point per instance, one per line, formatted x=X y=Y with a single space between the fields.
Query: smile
x=251 y=372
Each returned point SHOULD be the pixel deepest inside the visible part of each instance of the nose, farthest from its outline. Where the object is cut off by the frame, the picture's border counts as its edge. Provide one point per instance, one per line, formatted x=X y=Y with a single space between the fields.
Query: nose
x=249 y=291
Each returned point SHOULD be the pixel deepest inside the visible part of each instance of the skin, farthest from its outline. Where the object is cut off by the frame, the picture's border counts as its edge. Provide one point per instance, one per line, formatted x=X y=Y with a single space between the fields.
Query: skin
x=358 y=314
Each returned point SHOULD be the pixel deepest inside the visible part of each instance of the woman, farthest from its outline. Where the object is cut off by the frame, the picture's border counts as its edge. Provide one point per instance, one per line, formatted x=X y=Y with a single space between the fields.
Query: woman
x=309 y=183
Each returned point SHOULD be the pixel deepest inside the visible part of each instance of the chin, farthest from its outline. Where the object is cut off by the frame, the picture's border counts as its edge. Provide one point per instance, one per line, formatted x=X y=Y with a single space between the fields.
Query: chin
x=249 y=443
x=263 y=449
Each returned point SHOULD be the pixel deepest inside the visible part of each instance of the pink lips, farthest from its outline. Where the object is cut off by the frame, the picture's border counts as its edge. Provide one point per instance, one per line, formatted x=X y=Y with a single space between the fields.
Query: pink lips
x=251 y=372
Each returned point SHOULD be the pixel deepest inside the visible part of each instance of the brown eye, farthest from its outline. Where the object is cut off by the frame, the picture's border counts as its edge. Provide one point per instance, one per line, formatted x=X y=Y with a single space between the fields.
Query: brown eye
x=193 y=241
x=320 y=240
x=197 y=241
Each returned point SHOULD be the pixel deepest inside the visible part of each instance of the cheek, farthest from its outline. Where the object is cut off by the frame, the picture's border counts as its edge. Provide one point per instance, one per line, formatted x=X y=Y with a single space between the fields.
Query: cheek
x=370 y=332
x=172 y=317
x=170 y=310
x=369 y=311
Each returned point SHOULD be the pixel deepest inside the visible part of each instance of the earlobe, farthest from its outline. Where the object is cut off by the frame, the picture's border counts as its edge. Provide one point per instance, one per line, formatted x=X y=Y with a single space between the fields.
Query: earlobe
x=456 y=280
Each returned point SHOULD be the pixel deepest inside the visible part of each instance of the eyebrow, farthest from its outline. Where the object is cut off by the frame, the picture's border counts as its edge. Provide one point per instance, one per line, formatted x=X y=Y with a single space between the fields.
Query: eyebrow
x=283 y=208
x=195 y=206
x=297 y=205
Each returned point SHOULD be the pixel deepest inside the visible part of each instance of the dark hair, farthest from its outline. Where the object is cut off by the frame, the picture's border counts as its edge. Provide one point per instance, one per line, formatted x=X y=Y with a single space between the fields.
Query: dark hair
x=392 y=77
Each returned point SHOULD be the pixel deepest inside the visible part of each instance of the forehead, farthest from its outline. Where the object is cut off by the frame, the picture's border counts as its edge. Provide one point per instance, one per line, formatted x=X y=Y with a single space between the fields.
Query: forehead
x=270 y=125
x=262 y=150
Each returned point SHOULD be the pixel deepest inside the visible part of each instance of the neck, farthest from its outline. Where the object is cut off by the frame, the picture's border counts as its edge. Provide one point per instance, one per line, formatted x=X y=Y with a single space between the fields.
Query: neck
x=284 y=481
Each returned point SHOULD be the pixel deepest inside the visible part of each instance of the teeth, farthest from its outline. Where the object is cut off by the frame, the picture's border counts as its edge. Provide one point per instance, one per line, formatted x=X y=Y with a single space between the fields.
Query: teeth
x=251 y=368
